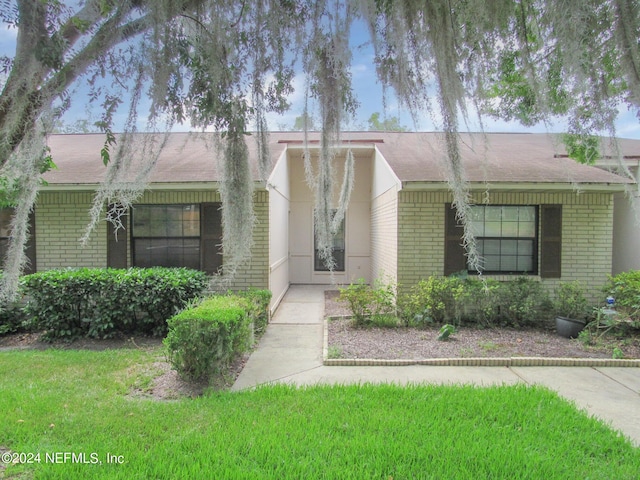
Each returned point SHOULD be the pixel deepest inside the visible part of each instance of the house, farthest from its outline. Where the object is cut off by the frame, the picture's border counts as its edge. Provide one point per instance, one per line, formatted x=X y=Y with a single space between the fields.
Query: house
x=534 y=211
x=626 y=212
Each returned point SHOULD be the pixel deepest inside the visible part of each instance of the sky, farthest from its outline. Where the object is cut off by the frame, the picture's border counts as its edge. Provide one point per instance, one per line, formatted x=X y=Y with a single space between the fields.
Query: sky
x=368 y=92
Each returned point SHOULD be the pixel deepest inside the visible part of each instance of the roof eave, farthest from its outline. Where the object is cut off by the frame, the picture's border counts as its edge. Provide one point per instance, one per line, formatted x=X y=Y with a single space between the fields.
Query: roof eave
x=156 y=186
x=519 y=186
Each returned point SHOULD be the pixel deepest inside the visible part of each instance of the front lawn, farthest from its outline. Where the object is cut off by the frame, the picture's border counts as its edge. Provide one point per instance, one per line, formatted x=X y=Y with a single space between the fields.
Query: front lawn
x=73 y=414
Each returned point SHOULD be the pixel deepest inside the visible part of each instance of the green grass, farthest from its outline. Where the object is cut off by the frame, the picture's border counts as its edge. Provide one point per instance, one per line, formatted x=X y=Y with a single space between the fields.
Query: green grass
x=78 y=401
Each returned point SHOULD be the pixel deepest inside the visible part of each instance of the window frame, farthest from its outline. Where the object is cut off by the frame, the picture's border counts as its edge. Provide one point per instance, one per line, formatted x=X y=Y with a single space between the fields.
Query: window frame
x=341 y=261
x=535 y=242
x=150 y=237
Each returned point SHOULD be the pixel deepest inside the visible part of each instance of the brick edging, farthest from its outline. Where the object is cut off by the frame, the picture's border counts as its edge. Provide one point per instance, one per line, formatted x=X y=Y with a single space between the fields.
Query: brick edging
x=473 y=361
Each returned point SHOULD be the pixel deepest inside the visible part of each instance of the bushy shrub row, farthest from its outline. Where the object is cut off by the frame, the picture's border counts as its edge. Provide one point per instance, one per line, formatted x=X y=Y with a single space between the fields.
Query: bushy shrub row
x=521 y=302
x=101 y=303
x=202 y=340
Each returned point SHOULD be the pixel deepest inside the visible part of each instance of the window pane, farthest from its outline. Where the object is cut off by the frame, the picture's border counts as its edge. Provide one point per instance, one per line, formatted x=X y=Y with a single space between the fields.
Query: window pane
x=527 y=214
x=527 y=229
x=508 y=263
x=141 y=217
x=509 y=247
x=510 y=229
x=525 y=247
x=492 y=263
x=493 y=214
x=492 y=247
x=493 y=229
x=525 y=264
x=510 y=214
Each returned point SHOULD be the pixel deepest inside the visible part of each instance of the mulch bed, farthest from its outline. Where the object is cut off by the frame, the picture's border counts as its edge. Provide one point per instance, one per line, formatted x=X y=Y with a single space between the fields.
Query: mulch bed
x=346 y=341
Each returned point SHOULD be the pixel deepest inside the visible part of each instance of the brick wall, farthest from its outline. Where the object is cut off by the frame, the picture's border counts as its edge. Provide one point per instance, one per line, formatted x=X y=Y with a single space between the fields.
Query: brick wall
x=61 y=219
x=384 y=234
x=587 y=222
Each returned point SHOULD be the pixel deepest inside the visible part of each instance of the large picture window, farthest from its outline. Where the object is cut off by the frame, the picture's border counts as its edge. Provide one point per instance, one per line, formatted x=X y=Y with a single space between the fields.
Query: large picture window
x=166 y=236
x=507 y=238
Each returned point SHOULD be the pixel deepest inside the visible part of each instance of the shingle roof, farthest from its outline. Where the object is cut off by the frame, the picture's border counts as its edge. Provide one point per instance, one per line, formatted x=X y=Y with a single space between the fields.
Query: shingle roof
x=414 y=157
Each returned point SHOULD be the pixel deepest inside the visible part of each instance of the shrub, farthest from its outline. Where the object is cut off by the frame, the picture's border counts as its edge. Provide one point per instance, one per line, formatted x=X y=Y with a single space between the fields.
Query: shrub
x=436 y=299
x=524 y=302
x=12 y=318
x=625 y=289
x=371 y=305
x=203 y=340
x=259 y=301
x=101 y=303
x=481 y=301
x=570 y=301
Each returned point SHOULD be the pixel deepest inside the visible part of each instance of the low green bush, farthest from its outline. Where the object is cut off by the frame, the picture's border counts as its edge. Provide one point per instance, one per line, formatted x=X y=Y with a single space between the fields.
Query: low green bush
x=202 y=340
x=101 y=303
x=12 y=318
x=625 y=289
x=371 y=305
x=524 y=302
x=481 y=302
x=259 y=301
x=436 y=299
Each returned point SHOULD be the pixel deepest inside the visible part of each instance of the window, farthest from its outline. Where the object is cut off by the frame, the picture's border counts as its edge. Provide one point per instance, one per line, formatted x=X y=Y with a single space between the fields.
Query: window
x=166 y=236
x=506 y=237
x=6 y=215
x=337 y=250
x=5 y=230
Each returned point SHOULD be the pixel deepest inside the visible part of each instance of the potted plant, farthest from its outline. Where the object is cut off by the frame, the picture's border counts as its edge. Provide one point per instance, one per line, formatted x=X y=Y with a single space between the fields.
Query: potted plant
x=571 y=308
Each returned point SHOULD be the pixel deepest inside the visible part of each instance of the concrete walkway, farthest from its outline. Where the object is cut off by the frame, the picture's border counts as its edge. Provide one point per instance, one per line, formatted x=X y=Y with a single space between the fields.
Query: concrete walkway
x=291 y=352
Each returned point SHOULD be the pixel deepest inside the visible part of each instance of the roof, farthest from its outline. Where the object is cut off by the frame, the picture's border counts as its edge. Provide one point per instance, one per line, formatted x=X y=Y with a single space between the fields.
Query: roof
x=413 y=157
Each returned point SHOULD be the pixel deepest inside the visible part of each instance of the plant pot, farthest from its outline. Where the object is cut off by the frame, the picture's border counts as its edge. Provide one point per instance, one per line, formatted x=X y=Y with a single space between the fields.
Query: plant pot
x=569 y=327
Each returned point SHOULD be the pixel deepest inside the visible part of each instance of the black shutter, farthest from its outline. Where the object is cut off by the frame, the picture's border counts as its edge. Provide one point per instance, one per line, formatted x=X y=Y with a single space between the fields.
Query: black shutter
x=210 y=237
x=454 y=255
x=551 y=241
x=30 y=248
x=117 y=243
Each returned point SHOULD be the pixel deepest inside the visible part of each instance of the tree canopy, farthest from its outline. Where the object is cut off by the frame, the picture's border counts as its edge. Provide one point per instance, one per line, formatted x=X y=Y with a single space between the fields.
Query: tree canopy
x=224 y=64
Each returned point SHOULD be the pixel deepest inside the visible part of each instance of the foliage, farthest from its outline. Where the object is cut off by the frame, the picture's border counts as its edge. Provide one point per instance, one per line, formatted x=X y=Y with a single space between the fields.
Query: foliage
x=223 y=65
x=524 y=302
x=12 y=316
x=582 y=148
x=203 y=339
x=101 y=303
x=79 y=401
x=390 y=124
x=446 y=331
x=370 y=305
x=435 y=299
x=259 y=301
x=625 y=289
x=570 y=301
x=482 y=301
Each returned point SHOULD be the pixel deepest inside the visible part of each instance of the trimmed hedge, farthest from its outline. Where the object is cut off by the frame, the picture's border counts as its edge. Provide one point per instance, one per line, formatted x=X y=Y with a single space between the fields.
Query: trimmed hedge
x=259 y=300
x=203 y=340
x=100 y=303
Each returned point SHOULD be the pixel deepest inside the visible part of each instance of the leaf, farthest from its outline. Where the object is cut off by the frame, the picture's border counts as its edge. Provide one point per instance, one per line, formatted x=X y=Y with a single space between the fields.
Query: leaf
x=109 y=141
x=446 y=331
